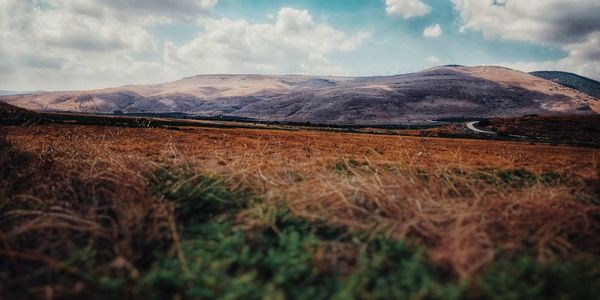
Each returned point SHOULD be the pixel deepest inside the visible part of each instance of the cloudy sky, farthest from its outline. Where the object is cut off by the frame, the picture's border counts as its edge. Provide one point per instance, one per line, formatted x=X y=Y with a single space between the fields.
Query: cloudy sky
x=81 y=44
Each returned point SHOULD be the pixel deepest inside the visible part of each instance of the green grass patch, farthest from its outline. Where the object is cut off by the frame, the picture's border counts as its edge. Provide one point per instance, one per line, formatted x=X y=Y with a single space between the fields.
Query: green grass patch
x=225 y=261
x=516 y=178
x=524 y=278
x=198 y=197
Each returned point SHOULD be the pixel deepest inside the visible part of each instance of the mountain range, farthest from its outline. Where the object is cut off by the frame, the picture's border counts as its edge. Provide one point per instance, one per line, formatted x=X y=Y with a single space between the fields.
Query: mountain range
x=440 y=93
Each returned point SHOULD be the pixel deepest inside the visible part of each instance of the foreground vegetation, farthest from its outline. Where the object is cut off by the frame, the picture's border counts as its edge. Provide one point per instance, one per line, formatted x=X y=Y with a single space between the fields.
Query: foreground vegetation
x=104 y=213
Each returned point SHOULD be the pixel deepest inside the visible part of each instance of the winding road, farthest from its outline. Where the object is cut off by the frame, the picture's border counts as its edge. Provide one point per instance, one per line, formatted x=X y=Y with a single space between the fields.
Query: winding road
x=471 y=126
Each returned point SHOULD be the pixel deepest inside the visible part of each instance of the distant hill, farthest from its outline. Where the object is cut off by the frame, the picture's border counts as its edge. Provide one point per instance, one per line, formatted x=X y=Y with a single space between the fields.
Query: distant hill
x=10 y=112
x=580 y=83
x=6 y=109
x=7 y=93
x=441 y=93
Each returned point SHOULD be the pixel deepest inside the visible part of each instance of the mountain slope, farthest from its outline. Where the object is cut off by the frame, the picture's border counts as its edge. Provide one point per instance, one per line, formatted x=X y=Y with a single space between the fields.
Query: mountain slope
x=438 y=93
x=583 y=84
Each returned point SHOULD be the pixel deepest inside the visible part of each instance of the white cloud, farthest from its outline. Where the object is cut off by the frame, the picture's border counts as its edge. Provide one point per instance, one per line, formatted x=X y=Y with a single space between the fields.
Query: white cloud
x=572 y=25
x=583 y=59
x=407 y=8
x=65 y=44
x=73 y=44
x=433 y=60
x=293 y=43
x=433 y=31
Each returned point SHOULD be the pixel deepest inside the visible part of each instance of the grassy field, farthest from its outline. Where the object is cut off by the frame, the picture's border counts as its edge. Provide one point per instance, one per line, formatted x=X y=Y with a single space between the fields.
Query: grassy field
x=192 y=212
x=584 y=128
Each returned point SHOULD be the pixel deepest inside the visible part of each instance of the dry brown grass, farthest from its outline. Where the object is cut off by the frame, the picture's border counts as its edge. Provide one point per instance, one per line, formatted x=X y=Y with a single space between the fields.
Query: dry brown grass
x=61 y=198
x=448 y=195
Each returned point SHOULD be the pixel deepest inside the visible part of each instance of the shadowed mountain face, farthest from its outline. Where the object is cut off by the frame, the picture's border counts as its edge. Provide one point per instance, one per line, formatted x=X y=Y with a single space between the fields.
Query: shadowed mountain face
x=583 y=84
x=438 y=93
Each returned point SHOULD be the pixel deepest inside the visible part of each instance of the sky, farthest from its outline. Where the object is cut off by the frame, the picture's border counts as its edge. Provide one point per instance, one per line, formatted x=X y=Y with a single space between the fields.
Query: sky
x=84 y=44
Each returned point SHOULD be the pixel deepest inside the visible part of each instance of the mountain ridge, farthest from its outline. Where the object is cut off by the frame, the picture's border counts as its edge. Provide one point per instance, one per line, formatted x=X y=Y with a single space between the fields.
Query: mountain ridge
x=421 y=97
